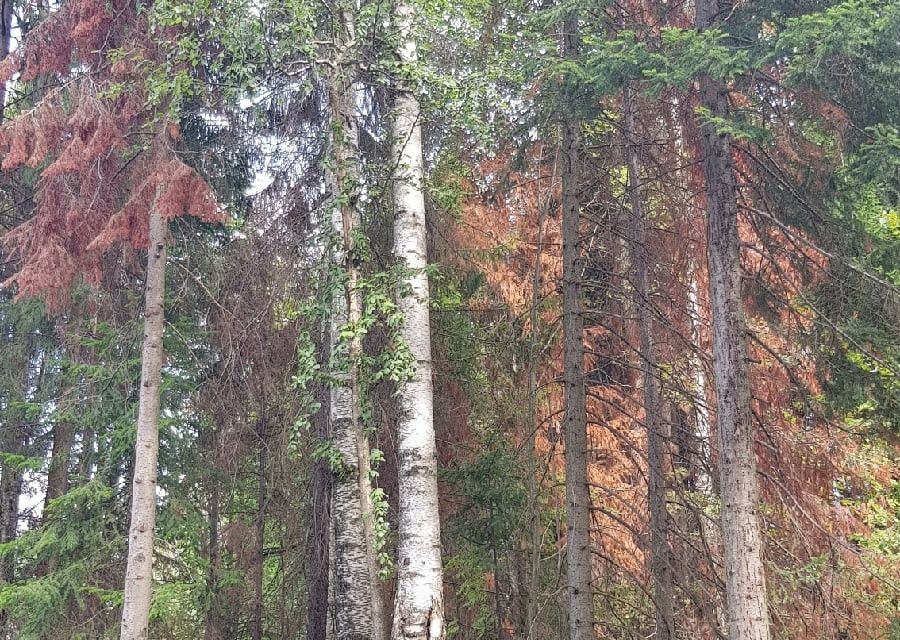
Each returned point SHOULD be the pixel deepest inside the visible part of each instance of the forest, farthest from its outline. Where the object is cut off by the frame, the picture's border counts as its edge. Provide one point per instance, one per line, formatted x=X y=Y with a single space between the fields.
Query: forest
x=449 y=319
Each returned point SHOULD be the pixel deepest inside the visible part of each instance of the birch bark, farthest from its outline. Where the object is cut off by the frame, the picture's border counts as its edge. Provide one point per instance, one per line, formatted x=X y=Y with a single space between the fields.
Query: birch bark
x=419 y=604
x=356 y=567
x=701 y=457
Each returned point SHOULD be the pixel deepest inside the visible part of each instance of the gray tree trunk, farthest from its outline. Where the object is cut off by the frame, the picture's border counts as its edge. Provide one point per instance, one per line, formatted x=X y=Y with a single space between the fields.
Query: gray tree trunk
x=702 y=431
x=419 y=604
x=14 y=441
x=6 y=19
x=578 y=498
x=352 y=586
x=532 y=588
x=700 y=459
x=58 y=473
x=258 y=572
x=139 y=572
x=11 y=440
x=319 y=544
x=660 y=560
x=744 y=574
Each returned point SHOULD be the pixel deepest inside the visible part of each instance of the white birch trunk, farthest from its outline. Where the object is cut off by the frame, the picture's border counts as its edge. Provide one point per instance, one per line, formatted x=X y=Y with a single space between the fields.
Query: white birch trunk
x=419 y=604
x=361 y=614
x=139 y=572
x=352 y=585
x=702 y=432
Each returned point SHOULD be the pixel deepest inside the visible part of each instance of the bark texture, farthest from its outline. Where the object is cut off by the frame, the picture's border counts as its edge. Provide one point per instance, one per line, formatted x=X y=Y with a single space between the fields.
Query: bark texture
x=361 y=614
x=701 y=460
x=58 y=474
x=419 y=604
x=6 y=19
x=703 y=482
x=578 y=498
x=13 y=441
x=139 y=572
x=699 y=457
x=256 y=628
x=12 y=436
x=660 y=560
x=532 y=590
x=317 y=598
x=350 y=603
x=744 y=575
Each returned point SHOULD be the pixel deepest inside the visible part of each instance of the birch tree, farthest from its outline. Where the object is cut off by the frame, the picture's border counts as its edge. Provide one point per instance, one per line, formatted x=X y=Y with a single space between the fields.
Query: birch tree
x=359 y=610
x=419 y=605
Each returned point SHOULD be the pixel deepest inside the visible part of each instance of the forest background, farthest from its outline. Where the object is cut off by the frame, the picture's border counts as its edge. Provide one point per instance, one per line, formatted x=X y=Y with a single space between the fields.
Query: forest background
x=269 y=234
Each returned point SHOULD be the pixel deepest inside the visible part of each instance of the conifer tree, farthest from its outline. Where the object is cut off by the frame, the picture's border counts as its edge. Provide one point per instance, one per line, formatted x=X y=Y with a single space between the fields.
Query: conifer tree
x=660 y=556
x=773 y=122
x=745 y=582
x=95 y=192
x=578 y=500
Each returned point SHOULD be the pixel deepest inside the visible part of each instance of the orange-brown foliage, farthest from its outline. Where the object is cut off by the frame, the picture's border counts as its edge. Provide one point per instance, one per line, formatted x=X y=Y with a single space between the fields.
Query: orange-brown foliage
x=99 y=178
x=801 y=455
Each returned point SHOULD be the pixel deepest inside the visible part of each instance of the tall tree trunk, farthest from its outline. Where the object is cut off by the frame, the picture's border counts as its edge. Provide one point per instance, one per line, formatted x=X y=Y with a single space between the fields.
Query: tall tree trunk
x=578 y=498
x=353 y=587
x=660 y=560
x=532 y=588
x=744 y=575
x=139 y=572
x=14 y=441
x=212 y=623
x=6 y=19
x=58 y=474
x=360 y=610
x=256 y=628
x=703 y=482
x=699 y=458
x=318 y=582
x=419 y=605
